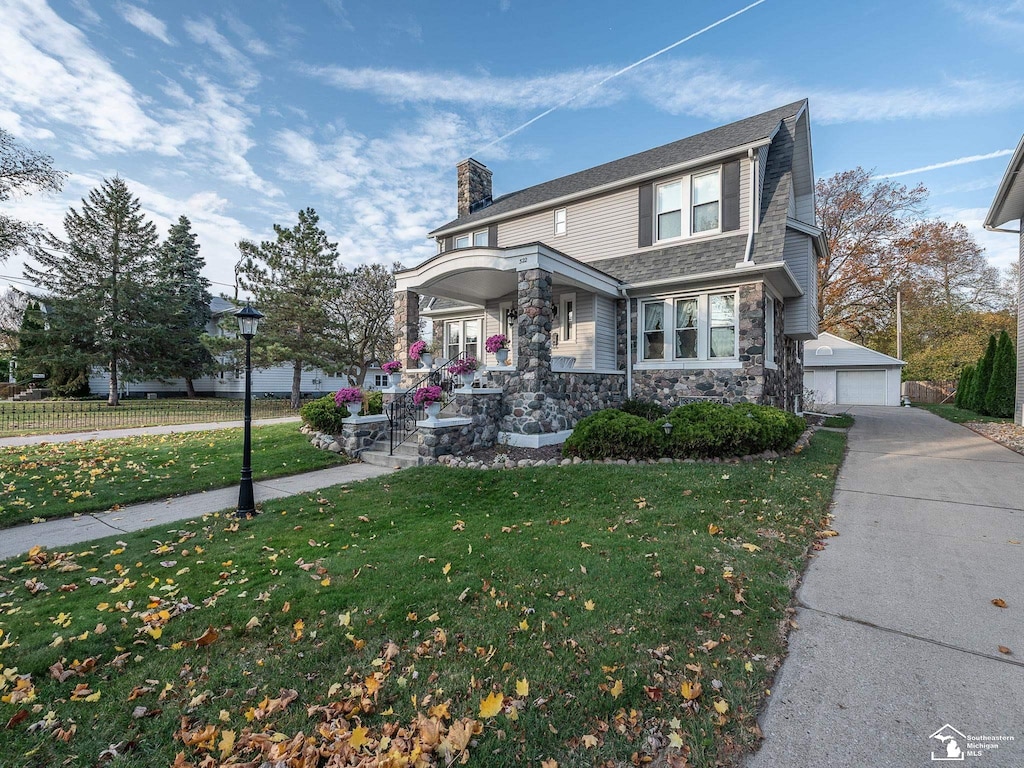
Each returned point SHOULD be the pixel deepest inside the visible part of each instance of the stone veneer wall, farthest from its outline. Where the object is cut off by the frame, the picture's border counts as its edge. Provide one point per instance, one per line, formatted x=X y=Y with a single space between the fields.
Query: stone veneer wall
x=483 y=409
x=567 y=397
x=407 y=325
x=360 y=433
x=775 y=392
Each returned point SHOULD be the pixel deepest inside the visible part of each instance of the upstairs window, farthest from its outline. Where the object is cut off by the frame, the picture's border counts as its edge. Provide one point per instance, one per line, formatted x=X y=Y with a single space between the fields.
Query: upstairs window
x=477 y=239
x=462 y=241
x=561 y=220
x=670 y=210
x=480 y=238
x=688 y=206
x=707 y=190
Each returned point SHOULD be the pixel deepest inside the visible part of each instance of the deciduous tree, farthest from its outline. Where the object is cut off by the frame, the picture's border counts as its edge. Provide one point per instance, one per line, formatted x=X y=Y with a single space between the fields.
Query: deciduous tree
x=22 y=172
x=364 y=317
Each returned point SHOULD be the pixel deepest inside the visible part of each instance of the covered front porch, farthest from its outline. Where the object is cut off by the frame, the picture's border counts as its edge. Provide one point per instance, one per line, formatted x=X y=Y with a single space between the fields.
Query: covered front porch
x=565 y=322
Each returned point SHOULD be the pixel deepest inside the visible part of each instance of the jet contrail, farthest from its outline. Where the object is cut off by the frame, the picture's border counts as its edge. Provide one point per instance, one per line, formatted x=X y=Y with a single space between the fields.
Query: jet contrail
x=622 y=71
x=947 y=164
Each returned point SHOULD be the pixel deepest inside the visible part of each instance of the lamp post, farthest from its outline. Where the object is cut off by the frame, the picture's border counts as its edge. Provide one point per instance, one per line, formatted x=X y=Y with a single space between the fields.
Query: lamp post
x=248 y=322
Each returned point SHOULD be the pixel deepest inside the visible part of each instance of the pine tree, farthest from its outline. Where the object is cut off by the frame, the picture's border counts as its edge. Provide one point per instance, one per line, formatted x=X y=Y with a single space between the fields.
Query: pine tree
x=963 y=387
x=41 y=351
x=983 y=376
x=96 y=282
x=184 y=296
x=292 y=279
x=999 y=400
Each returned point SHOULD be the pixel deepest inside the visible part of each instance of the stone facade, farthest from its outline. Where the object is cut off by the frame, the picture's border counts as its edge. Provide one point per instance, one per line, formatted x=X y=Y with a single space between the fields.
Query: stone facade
x=407 y=326
x=474 y=185
x=482 y=411
x=359 y=433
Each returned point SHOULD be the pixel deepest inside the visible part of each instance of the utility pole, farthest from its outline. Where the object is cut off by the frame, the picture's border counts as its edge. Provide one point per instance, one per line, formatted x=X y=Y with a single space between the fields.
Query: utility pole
x=899 y=325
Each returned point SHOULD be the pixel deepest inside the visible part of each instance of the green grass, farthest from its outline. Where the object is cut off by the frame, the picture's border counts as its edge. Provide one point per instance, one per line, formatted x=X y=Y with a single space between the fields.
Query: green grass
x=958 y=415
x=54 y=480
x=579 y=599
x=840 y=421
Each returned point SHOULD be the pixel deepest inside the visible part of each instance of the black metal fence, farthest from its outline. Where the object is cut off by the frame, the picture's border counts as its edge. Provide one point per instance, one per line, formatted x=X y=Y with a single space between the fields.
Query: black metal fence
x=37 y=417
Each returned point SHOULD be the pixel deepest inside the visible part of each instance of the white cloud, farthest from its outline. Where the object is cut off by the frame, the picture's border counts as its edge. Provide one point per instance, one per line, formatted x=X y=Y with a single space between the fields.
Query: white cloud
x=145 y=22
x=204 y=31
x=946 y=164
x=89 y=16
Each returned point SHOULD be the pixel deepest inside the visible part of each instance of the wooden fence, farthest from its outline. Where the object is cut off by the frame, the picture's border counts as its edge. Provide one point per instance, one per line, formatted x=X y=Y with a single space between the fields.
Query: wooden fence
x=929 y=391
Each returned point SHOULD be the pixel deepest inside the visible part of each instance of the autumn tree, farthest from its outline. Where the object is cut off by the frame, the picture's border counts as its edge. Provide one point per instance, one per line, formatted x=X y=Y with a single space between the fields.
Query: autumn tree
x=183 y=295
x=293 y=279
x=865 y=221
x=22 y=172
x=97 y=284
x=364 y=318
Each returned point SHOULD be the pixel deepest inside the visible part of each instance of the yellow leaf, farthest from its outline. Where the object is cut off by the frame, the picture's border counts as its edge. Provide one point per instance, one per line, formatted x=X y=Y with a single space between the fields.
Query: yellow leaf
x=252 y=623
x=523 y=625
x=433 y=617
x=589 y=605
x=721 y=706
x=491 y=706
x=713 y=529
x=748 y=667
x=93 y=697
x=447 y=567
x=523 y=687
x=155 y=632
x=589 y=741
x=616 y=689
x=358 y=737
x=224 y=716
x=227 y=744
x=345 y=619
x=325 y=582
x=690 y=690
x=751 y=547
x=675 y=740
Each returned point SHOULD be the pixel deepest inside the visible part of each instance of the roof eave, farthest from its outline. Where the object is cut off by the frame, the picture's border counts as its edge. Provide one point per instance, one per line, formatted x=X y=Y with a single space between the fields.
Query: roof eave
x=996 y=215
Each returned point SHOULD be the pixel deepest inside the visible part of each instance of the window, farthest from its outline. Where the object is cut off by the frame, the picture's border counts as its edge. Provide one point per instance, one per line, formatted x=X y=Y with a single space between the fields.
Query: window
x=560 y=221
x=567 y=317
x=769 y=332
x=462 y=241
x=704 y=328
x=380 y=380
x=462 y=336
x=452 y=339
x=480 y=238
x=699 y=196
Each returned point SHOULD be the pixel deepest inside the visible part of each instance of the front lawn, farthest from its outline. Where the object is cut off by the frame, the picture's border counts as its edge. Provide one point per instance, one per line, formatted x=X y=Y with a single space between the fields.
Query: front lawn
x=570 y=616
x=958 y=415
x=62 y=479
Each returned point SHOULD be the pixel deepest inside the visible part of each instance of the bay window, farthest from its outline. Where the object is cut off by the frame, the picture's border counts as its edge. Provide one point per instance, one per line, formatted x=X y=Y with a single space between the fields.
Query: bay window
x=704 y=327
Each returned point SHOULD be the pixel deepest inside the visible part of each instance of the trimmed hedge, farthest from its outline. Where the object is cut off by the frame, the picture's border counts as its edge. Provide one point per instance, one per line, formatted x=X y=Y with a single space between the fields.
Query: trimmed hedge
x=614 y=434
x=645 y=409
x=324 y=415
x=699 y=431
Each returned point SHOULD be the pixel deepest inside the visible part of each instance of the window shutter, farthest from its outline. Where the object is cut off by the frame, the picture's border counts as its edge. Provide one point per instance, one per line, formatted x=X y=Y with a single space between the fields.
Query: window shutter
x=731 y=196
x=646 y=220
x=449 y=243
x=492 y=236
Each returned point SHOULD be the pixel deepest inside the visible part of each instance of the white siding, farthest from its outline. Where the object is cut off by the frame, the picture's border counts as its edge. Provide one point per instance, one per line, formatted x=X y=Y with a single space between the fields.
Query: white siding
x=601 y=227
x=277 y=380
x=606 y=337
x=802 y=311
x=822 y=382
x=582 y=348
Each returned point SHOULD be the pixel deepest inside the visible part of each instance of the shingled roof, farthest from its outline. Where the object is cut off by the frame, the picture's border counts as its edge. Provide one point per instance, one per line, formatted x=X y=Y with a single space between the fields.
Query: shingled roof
x=747 y=131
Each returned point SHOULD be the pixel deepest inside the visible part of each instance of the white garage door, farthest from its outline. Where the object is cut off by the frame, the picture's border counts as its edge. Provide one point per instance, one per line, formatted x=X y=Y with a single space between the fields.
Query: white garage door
x=860 y=387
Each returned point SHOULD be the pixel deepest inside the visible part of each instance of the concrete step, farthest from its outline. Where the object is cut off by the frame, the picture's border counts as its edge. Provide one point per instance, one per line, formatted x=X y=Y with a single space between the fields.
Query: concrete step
x=382 y=459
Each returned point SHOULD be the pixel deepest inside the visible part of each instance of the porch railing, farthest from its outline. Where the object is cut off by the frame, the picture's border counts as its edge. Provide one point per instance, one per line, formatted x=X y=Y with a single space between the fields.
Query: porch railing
x=403 y=413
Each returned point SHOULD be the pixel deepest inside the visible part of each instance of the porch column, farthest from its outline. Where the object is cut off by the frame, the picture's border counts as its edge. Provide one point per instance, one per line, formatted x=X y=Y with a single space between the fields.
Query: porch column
x=407 y=325
x=534 y=353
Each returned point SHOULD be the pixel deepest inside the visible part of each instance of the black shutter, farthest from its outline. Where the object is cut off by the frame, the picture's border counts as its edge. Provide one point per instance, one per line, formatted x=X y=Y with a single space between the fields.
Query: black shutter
x=646 y=220
x=449 y=243
x=731 y=196
x=492 y=236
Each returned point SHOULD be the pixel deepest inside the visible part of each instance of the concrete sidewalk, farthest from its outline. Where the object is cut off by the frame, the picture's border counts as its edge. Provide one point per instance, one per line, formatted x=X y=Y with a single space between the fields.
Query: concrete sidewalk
x=898 y=636
x=105 y=434
x=68 y=531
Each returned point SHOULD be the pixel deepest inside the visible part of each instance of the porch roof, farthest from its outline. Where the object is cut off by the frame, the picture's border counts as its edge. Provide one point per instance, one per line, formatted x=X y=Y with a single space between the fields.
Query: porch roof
x=477 y=275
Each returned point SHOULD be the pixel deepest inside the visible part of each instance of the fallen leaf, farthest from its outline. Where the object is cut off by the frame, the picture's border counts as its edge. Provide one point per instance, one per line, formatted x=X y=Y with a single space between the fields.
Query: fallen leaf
x=721 y=706
x=616 y=690
x=209 y=636
x=1004 y=649
x=690 y=690
x=999 y=602
x=589 y=741
x=523 y=686
x=359 y=737
x=751 y=547
x=491 y=706
x=589 y=605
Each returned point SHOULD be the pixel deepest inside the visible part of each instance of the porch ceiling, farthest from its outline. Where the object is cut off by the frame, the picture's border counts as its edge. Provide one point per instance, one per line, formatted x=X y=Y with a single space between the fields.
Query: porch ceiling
x=472 y=286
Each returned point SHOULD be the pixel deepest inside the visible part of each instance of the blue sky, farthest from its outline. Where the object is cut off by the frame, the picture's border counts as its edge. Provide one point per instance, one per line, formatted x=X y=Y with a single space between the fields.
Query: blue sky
x=237 y=114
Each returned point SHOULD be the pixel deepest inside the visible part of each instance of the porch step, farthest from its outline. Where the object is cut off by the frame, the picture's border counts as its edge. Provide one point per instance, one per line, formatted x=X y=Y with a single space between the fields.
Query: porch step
x=404 y=456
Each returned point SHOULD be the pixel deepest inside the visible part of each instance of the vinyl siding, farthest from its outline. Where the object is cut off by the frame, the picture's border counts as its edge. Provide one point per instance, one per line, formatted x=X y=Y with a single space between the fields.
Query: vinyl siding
x=582 y=348
x=801 y=312
x=605 y=320
x=277 y=380
x=1019 y=406
x=602 y=227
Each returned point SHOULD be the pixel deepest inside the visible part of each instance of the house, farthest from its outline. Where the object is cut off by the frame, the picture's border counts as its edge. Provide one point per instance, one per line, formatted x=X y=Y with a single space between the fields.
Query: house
x=842 y=372
x=275 y=381
x=1008 y=206
x=685 y=271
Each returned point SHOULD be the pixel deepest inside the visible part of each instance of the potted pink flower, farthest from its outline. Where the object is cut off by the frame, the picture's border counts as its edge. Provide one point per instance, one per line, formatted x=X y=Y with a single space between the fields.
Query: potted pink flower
x=418 y=350
x=465 y=369
x=497 y=345
x=428 y=398
x=393 y=368
x=350 y=397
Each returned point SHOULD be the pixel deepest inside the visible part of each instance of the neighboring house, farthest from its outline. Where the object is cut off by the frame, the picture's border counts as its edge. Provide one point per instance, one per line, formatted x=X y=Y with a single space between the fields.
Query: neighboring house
x=275 y=381
x=686 y=271
x=841 y=372
x=1008 y=206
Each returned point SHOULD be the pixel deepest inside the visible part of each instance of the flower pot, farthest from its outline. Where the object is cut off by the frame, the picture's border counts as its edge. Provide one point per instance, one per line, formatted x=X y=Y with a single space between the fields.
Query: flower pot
x=433 y=409
x=396 y=379
x=426 y=359
x=467 y=379
x=354 y=408
x=502 y=355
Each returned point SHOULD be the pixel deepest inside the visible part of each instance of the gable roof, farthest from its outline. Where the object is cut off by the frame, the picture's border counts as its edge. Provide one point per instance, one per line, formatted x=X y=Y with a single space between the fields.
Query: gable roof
x=844 y=353
x=1009 y=200
x=749 y=131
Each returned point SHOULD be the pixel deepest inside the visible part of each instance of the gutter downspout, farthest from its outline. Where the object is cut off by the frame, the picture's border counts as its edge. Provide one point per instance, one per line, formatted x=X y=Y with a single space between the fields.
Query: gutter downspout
x=629 y=345
x=754 y=191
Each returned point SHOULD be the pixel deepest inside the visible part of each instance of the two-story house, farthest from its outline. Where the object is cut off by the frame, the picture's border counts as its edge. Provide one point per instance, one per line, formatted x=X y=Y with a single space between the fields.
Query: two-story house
x=687 y=270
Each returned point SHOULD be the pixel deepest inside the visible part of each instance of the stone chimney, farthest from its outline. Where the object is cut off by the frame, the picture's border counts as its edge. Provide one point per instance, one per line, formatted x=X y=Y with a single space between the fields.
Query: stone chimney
x=474 y=186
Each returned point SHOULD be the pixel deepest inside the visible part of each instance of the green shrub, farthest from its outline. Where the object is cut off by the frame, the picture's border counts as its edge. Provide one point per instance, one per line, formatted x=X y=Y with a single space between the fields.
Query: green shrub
x=323 y=415
x=709 y=430
x=645 y=409
x=373 y=403
x=1002 y=388
x=963 y=387
x=614 y=434
x=983 y=377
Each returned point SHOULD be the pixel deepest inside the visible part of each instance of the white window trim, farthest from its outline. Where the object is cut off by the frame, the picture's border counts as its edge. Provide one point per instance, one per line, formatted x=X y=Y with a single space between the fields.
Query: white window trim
x=486 y=238
x=686 y=223
x=563 y=317
x=462 y=336
x=470 y=238
x=565 y=222
x=703 y=359
x=769 y=333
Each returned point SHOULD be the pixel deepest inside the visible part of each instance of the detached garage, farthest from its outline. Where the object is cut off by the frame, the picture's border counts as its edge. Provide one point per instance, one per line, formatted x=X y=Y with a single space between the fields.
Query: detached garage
x=840 y=372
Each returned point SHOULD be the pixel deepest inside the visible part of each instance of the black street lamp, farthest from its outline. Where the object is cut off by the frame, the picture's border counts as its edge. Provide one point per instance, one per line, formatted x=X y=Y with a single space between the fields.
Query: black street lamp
x=248 y=322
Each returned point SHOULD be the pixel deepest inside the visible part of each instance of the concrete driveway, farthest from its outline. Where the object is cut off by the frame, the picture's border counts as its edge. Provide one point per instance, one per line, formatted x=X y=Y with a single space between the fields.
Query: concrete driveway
x=898 y=636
